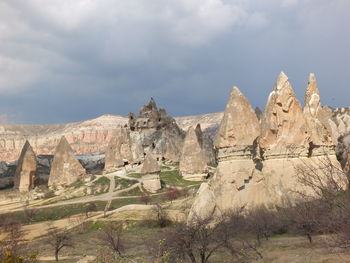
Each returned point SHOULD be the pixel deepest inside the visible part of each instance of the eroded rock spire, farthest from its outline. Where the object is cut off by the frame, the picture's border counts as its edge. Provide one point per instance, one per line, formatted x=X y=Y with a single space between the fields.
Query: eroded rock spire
x=26 y=169
x=239 y=126
x=65 y=169
x=283 y=128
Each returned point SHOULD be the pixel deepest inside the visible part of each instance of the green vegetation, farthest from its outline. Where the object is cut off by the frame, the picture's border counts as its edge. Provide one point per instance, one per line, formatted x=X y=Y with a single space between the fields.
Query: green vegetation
x=173 y=178
x=103 y=181
x=117 y=203
x=77 y=184
x=124 y=183
x=133 y=192
x=135 y=175
x=53 y=213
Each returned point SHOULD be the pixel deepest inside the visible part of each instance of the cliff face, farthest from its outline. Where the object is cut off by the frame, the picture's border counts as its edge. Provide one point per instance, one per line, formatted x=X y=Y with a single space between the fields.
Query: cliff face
x=85 y=137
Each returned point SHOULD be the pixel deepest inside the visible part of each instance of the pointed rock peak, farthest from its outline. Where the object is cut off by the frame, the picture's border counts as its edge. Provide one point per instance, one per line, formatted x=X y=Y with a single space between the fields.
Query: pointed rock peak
x=64 y=144
x=27 y=147
x=150 y=165
x=26 y=169
x=312 y=92
x=239 y=125
x=281 y=80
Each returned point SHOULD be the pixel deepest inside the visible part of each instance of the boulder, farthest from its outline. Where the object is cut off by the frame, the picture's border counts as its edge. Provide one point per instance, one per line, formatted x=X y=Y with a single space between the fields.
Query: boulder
x=193 y=162
x=150 y=165
x=26 y=169
x=65 y=169
x=151 y=183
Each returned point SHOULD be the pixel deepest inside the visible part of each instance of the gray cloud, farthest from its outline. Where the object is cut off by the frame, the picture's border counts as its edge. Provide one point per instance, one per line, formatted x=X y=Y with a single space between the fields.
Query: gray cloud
x=64 y=60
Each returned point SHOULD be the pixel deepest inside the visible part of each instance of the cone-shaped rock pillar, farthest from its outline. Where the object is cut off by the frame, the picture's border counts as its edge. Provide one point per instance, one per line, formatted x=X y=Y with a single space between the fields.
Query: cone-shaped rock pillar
x=193 y=162
x=283 y=128
x=26 y=169
x=239 y=126
x=65 y=169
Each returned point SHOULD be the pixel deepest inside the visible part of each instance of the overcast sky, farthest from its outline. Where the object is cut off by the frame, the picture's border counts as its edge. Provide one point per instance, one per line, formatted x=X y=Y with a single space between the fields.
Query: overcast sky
x=64 y=60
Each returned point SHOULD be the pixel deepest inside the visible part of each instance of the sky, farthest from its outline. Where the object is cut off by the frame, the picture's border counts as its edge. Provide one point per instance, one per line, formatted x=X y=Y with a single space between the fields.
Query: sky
x=64 y=61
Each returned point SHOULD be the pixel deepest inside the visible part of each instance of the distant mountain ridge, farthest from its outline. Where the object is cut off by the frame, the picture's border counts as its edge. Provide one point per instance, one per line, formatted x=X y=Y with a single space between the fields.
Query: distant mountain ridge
x=92 y=136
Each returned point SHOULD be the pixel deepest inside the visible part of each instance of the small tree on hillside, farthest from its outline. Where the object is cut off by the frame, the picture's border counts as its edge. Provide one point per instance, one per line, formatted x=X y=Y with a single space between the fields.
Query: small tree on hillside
x=111 y=236
x=59 y=239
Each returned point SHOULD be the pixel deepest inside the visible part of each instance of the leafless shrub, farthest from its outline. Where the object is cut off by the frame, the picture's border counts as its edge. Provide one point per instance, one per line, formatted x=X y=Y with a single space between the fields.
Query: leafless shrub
x=172 y=193
x=262 y=222
x=145 y=198
x=111 y=236
x=202 y=238
x=162 y=218
x=58 y=239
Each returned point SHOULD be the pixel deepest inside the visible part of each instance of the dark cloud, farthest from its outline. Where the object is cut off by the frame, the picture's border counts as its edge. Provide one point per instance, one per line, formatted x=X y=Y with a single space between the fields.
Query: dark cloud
x=67 y=60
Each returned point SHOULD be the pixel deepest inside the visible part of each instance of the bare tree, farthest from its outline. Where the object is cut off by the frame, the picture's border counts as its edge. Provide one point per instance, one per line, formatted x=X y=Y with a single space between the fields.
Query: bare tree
x=111 y=236
x=262 y=222
x=202 y=238
x=145 y=198
x=59 y=239
x=172 y=193
x=161 y=215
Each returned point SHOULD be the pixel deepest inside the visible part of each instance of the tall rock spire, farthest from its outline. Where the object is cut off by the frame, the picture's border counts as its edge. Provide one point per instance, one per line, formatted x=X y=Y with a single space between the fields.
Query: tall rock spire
x=26 y=169
x=193 y=162
x=65 y=168
x=312 y=98
x=317 y=118
x=239 y=126
x=283 y=128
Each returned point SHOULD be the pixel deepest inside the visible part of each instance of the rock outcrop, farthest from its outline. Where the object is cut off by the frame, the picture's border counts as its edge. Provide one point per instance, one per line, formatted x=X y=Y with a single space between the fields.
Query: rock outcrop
x=26 y=169
x=151 y=183
x=262 y=166
x=150 y=170
x=65 y=169
x=317 y=118
x=155 y=131
x=150 y=165
x=238 y=129
x=283 y=128
x=91 y=136
x=119 y=150
x=193 y=161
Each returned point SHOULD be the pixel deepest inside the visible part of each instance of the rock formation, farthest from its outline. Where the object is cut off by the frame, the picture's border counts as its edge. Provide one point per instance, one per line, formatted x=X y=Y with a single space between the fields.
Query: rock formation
x=151 y=183
x=91 y=136
x=154 y=130
x=238 y=128
x=193 y=162
x=317 y=117
x=150 y=165
x=206 y=144
x=261 y=166
x=283 y=128
x=119 y=150
x=150 y=171
x=65 y=169
x=26 y=169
